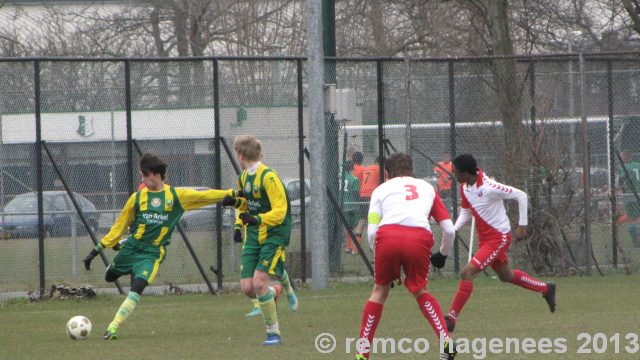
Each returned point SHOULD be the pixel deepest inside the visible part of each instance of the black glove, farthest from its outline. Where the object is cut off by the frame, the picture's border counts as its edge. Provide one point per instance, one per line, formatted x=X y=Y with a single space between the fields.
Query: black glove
x=438 y=260
x=237 y=235
x=89 y=258
x=229 y=201
x=116 y=247
x=248 y=219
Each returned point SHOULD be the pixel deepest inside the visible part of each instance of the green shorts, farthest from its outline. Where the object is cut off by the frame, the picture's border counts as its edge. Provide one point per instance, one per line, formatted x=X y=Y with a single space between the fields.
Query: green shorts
x=268 y=257
x=140 y=262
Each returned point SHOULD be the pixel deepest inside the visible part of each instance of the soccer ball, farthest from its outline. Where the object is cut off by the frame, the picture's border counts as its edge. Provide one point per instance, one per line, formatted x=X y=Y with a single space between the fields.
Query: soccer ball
x=78 y=327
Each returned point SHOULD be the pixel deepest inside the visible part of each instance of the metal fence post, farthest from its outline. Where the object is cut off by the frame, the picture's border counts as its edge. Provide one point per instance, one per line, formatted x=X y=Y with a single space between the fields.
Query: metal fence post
x=612 y=170
x=127 y=108
x=586 y=195
x=303 y=215
x=39 y=171
x=218 y=167
x=452 y=144
x=380 y=93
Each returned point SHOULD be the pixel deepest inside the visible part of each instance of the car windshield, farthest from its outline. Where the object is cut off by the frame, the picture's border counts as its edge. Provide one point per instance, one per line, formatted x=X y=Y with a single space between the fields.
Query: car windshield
x=27 y=203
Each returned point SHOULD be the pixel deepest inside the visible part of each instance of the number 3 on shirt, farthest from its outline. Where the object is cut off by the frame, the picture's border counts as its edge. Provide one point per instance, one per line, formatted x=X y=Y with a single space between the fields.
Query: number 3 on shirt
x=412 y=194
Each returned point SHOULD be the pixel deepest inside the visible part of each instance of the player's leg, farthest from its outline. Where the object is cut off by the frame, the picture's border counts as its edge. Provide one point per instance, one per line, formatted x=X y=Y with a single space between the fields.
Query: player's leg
x=285 y=282
x=387 y=269
x=111 y=275
x=488 y=251
x=465 y=288
x=250 y=254
x=270 y=263
x=143 y=271
x=121 y=264
x=371 y=315
x=522 y=279
x=431 y=310
x=133 y=298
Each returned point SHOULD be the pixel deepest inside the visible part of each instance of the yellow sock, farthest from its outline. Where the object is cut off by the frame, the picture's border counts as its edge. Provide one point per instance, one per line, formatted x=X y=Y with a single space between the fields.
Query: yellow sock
x=125 y=310
x=284 y=281
x=268 y=306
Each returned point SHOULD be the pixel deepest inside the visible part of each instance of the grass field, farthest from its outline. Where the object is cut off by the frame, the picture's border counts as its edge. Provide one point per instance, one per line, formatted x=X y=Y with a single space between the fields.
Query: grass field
x=20 y=272
x=214 y=327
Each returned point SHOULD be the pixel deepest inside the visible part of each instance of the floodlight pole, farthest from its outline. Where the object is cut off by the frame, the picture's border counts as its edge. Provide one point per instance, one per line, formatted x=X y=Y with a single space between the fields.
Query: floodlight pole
x=318 y=207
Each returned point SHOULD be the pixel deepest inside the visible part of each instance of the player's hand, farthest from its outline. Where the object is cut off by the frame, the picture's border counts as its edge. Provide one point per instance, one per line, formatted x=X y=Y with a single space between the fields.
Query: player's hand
x=89 y=258
x=237 y=235
x=229 y=201
x=237 y=193
x=116 y=247
x=248 y=219
x=521 y=232
x=438 y=260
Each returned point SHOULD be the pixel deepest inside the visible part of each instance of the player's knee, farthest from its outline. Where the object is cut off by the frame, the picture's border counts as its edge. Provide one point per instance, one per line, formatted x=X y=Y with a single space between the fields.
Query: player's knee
x=246 y=285
x=110 y=277
x=138 y=285
x=467 y=274
x=505 y=276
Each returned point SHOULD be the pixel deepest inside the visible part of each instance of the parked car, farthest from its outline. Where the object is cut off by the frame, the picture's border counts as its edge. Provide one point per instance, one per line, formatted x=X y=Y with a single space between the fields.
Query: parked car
x=20 y=216
x=204 y=218
x=292 y=186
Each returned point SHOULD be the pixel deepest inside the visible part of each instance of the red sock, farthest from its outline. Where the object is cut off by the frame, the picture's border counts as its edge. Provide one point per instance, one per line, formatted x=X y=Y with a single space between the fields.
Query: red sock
x=526 y=281
x=370 y=318
x=431 y=310
x=463 y=294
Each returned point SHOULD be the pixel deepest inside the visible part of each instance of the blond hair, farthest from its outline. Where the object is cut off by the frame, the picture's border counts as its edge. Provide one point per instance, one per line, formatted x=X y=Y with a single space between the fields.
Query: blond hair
x=248 y=146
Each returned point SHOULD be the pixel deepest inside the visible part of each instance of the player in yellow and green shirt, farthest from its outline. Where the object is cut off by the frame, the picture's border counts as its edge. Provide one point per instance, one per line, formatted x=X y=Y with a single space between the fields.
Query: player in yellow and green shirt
x=150 y=214
x=266 y=213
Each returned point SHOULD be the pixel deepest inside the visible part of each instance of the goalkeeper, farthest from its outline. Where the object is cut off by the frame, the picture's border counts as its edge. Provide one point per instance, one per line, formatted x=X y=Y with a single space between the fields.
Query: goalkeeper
x=266 y=212
x=151 y=214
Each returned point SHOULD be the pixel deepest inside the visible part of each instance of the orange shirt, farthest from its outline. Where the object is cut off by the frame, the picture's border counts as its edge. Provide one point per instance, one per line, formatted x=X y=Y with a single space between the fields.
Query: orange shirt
x=357 y=172
x=444 y=180
x=370 y=180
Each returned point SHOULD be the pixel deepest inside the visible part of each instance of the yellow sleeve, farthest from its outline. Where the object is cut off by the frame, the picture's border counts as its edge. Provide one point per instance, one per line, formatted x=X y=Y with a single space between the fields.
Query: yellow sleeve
x=192 y=199
x=122 y=223
x=243 y=205
x=278 y=199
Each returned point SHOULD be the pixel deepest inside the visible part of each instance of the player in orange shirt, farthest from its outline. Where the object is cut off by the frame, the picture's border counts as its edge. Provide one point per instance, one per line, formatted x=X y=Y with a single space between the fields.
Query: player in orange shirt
x=369 y=180
x=444 y=170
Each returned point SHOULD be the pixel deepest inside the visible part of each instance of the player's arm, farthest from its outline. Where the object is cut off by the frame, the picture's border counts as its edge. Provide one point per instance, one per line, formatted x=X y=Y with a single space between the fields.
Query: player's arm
x=465 y=211
x=277 y=197
x=440 y=213
x=117 y=232
x=192 y=199
x=506 y=192
x=374 y=219
x=121 y=225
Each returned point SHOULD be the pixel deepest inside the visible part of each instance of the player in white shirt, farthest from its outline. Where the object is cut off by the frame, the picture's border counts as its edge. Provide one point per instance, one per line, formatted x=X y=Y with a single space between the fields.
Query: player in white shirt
x=483 y=198
x=400 y=236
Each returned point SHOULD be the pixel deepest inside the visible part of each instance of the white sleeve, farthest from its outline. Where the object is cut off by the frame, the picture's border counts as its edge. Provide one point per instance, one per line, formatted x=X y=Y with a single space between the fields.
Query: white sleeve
x=371 y=235
x=463 y=218
x=448 y=235
x=374 y=218
x=506 y=192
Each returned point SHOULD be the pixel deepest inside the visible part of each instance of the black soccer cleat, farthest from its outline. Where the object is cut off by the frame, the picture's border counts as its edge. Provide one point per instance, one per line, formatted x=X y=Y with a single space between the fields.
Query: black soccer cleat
x=451 y=323
x=550 y=296
x=450 y=350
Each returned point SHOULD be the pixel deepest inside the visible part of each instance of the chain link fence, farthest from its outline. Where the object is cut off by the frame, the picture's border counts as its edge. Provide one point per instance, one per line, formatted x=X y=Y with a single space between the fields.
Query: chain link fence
x=535 y=123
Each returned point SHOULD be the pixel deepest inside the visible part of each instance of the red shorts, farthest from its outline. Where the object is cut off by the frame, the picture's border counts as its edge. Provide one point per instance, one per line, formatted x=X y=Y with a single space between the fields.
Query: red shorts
x=403 y=246
x=492 y=252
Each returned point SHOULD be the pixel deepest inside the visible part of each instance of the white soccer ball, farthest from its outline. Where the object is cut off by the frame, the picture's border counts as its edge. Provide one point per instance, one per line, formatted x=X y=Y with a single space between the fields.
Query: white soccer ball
x=79 y=327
